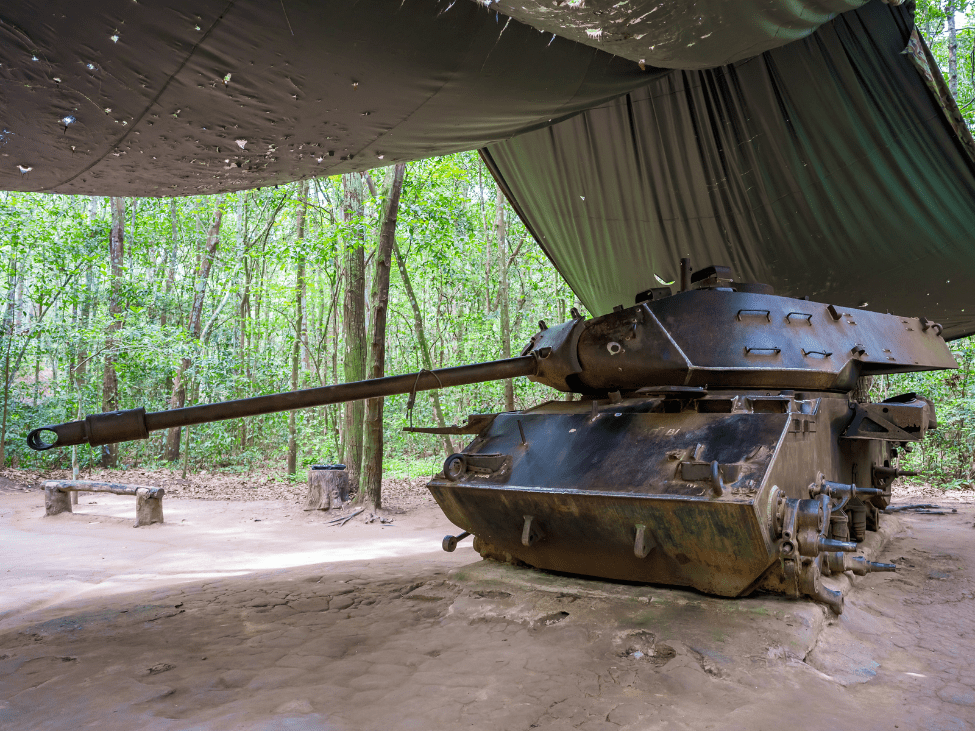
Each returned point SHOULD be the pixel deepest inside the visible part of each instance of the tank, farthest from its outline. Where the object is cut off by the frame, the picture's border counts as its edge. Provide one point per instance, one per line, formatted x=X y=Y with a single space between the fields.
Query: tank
x=717 y=441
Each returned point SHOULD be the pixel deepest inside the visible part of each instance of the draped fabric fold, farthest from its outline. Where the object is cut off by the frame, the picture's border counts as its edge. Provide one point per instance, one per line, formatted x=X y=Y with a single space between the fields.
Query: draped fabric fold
x=825 y=168
x=165 y=97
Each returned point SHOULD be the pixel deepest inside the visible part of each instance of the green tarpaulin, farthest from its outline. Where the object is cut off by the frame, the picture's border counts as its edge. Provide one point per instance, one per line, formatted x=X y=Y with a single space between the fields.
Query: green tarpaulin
x=827 y=168
x=168 y=97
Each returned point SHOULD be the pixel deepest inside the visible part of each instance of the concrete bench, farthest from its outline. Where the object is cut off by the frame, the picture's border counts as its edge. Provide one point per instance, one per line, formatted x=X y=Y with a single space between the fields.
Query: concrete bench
x=148 y=500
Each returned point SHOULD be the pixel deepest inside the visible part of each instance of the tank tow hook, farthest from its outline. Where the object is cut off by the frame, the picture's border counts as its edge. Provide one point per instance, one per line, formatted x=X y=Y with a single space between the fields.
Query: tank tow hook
x=450 y=542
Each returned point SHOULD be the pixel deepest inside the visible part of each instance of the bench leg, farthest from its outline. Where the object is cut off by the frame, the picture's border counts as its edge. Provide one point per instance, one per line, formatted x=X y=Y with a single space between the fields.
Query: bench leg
x=56 y=502
x=147 y=509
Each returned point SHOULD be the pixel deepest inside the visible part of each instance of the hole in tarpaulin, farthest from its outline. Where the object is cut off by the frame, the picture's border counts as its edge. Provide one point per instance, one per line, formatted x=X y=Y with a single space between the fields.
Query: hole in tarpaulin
x=661 y=280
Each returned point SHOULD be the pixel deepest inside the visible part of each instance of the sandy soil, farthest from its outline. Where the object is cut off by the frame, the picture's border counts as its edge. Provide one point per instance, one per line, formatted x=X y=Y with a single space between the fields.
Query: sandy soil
x=257 y=615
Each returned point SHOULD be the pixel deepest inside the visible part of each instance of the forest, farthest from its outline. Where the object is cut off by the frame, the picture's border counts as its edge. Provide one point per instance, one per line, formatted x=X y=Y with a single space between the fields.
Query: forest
x=162 y=303
x=113 y=303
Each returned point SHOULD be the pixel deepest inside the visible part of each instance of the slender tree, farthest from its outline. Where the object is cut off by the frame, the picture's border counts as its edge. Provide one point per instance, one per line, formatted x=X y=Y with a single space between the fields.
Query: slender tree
x=8 y=336
x=299 y=255
x=193 y=328
x=116 y=250
x=421 y=340
x=88 y=298
x=170 y=262
x=501 y=237
x=372 y=451
x=354 y=318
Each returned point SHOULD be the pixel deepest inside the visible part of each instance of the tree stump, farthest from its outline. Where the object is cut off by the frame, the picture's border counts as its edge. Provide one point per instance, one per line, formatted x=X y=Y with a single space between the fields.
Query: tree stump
x=328 y=487
x=55 y=501
x=148 y=506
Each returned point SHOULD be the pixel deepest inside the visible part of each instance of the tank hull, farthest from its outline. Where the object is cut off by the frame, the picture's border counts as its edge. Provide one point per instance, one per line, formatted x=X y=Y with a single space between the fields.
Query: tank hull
x=585 y=476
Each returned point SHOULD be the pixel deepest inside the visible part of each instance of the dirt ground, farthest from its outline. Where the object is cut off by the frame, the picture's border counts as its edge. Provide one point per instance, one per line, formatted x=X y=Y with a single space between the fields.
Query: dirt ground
x=253 y=614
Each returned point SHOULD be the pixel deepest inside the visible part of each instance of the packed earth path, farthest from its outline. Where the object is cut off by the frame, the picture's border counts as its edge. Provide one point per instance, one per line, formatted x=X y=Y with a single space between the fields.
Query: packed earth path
x=244 y=613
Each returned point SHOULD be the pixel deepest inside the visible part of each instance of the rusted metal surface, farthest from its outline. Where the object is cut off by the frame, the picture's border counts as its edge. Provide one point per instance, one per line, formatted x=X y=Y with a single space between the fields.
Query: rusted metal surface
x=717 y=443
x=747 y=340
x=590 y=477
x=626 y=490
x=904 y=418
x=596 y=535
x=121 y=426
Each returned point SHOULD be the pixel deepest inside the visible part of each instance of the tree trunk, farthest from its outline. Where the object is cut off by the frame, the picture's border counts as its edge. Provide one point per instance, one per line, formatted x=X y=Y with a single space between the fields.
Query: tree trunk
x=421 y=340
x=178 y=398
x=245 y=360
x=8 y=335
x=170 y=265
x=37 y=376
x=116 y=251
x=354 y=319
x=72 y=351
x=336 y=411
x=299 y=322
x=19 y=302
x=87 y=301
x=6 y=406
x=88 y=298
x=372 y=448
x=11 y=304
x=244 y=311
x=501 y=235
x=487 y=241
x=952 y=49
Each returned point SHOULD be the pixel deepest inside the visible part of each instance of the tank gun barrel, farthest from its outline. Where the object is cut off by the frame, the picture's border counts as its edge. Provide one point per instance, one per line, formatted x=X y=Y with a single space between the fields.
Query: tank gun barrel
x=122 y=426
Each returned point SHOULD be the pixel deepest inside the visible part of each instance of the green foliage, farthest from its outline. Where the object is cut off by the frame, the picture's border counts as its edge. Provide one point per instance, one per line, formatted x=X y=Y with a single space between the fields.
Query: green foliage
x=946 y=457
x=399 y=468
x=932 y=18
x=54 y=255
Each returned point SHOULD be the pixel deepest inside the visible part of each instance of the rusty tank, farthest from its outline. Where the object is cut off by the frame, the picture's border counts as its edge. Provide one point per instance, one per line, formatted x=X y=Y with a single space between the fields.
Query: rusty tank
x=717 y=441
